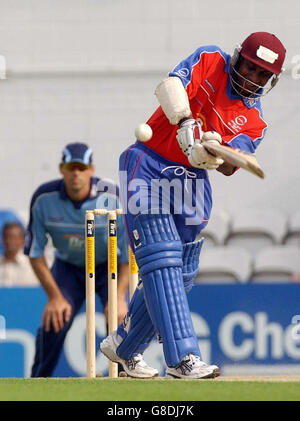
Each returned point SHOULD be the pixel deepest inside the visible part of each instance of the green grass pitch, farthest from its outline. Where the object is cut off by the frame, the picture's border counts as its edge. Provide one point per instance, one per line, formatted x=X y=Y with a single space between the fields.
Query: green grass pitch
x=124 y=389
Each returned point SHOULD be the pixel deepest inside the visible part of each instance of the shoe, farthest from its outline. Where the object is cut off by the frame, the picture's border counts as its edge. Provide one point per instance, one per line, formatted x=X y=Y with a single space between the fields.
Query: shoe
x=133 y=367
x=191 y=367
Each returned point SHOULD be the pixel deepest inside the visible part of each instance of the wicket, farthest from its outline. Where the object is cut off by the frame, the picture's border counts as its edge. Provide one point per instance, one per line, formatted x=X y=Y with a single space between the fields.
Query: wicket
x=112 y=284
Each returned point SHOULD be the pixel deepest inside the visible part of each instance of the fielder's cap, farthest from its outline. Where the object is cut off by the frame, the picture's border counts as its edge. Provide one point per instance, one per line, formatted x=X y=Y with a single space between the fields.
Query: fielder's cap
x=77 y=152
x=265 y=50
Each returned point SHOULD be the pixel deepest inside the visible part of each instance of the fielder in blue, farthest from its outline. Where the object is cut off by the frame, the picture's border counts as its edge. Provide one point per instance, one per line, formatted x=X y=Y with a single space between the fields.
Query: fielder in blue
x=58 y=209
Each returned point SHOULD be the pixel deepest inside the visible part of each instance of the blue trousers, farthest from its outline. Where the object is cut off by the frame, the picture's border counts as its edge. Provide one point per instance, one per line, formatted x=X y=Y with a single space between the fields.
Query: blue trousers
x=71 y=281
x=186 y=194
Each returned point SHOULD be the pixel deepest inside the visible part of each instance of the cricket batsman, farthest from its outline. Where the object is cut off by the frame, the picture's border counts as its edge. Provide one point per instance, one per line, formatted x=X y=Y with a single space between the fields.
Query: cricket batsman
x=209 y=96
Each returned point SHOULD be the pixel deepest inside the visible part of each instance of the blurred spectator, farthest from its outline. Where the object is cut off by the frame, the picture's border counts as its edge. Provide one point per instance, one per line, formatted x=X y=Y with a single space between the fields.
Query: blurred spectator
x=15 y=269
x=295 y=277
x=7 y=215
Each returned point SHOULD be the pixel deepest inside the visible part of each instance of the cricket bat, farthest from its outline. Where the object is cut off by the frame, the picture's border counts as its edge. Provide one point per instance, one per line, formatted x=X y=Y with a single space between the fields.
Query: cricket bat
x=235 y=157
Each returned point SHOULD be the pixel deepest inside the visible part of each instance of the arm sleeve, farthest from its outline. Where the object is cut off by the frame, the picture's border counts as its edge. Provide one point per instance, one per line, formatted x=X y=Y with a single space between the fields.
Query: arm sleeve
x=36 y=238
x=243 y=142
x=192 y=69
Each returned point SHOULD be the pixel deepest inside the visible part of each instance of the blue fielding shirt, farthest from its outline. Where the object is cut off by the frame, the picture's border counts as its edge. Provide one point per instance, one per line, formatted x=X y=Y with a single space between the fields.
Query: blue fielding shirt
x=53 y=213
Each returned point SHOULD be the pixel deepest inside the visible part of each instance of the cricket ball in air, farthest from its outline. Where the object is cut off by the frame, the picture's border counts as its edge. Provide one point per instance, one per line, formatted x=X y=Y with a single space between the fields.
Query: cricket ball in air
x=143 y=132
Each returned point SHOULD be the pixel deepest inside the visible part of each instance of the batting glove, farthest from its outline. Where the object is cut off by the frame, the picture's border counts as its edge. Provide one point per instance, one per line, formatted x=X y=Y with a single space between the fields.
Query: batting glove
x=189 y=131
x=200 y=158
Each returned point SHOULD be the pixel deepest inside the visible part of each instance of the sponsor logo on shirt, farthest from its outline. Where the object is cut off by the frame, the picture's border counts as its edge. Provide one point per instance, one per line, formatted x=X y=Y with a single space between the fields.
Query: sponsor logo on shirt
x=184 y=72
x=237 y=123
x=75 y=241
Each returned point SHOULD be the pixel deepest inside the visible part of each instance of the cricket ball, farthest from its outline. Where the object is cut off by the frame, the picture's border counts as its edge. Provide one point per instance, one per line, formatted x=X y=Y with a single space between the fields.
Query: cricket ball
x=143 y=132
